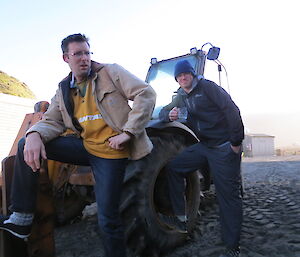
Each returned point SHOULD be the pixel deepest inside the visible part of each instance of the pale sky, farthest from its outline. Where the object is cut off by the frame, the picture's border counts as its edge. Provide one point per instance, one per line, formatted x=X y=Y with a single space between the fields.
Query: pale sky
x=259 y=42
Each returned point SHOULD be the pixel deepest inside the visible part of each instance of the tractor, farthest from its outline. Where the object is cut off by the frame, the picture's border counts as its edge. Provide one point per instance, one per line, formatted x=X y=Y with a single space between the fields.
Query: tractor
x=64 y=189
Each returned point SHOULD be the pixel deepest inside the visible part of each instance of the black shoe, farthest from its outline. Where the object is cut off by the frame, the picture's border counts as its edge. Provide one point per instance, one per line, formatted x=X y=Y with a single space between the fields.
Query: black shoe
x=174 y=223
x=17 y=230
x=231 y=253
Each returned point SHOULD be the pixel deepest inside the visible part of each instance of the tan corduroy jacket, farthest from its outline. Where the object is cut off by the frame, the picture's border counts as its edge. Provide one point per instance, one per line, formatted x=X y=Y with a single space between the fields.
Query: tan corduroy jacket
x=112 y=87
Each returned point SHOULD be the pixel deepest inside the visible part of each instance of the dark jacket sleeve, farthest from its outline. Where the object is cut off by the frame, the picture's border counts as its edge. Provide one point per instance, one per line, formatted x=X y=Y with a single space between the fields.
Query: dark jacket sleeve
x=164 y=112
x=232 y=113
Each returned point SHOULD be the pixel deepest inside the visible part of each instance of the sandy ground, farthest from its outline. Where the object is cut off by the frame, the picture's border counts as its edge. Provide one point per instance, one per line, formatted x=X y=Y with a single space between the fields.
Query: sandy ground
x=271 y=224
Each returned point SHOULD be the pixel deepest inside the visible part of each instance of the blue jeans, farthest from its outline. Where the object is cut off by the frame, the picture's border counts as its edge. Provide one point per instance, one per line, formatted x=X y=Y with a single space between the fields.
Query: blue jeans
x=224 y=166
x=108 y=173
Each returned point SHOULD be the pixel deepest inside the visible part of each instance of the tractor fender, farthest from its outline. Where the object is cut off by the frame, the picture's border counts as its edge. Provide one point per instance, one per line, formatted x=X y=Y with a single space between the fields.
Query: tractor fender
x=156 y=127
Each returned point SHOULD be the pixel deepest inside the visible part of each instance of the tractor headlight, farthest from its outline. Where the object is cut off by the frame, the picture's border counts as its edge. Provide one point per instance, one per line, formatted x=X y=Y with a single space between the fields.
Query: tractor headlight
x=153 y=60
x=193 y=50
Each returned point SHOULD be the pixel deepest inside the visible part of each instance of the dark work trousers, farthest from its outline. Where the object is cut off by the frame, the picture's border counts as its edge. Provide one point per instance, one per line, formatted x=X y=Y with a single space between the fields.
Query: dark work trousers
x=224 y=165
x=108 y=173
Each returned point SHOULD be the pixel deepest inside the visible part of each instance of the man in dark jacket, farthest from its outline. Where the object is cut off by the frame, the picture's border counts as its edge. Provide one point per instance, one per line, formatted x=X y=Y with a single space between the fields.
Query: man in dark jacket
x=216 y=120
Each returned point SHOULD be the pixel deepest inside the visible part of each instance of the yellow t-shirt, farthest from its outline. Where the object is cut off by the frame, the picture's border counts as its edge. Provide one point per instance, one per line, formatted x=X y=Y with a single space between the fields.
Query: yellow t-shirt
x=95 y=131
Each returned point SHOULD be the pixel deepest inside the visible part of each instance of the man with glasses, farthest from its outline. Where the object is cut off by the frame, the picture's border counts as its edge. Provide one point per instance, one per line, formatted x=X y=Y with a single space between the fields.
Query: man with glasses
x=92 y=101
x=216 y=120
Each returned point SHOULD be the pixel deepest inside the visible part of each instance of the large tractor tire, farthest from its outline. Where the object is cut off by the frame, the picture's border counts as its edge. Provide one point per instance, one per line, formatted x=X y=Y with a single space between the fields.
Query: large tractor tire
x=145 y=195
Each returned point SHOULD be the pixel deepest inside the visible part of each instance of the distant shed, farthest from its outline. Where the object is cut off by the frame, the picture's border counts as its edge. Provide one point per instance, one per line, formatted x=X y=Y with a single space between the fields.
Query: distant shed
x=258 y=145
x=12 y=113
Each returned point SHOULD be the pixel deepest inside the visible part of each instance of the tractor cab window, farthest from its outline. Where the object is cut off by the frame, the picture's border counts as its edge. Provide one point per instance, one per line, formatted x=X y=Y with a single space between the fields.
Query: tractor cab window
x=161 y=77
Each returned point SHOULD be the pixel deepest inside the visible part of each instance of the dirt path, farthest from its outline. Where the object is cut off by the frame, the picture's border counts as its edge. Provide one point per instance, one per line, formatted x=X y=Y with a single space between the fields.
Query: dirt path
x=271 y=224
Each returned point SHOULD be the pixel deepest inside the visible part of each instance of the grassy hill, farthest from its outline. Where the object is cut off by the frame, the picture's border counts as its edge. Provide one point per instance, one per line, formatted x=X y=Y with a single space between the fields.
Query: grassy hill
x=11 y=86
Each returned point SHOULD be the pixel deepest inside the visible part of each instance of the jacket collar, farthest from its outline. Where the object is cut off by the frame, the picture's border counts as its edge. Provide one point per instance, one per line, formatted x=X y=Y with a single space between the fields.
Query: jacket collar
x=195 y=82
x=68 y=83
x=95 y=67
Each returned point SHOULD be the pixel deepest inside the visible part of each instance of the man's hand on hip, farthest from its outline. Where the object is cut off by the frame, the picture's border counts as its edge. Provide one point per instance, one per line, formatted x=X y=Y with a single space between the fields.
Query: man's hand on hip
x=34 y=149
x=117 y=142
x=236 y=149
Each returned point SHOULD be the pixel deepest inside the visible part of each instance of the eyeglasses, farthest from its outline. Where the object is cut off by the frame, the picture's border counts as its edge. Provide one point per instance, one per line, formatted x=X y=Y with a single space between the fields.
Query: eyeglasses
x=82 y=53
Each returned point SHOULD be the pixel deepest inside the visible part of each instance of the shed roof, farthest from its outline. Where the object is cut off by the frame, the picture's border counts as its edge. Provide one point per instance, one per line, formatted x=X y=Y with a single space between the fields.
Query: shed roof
x=258 y=135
